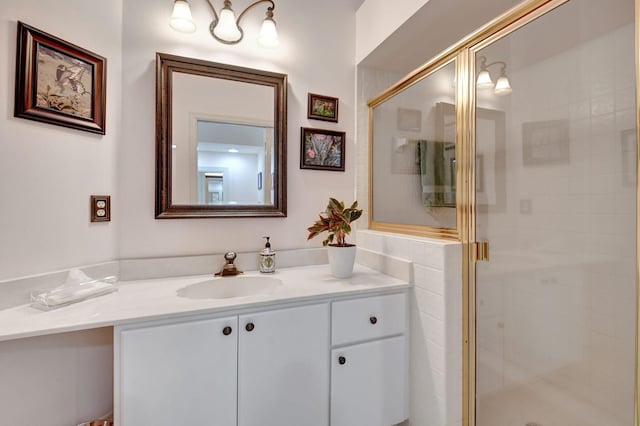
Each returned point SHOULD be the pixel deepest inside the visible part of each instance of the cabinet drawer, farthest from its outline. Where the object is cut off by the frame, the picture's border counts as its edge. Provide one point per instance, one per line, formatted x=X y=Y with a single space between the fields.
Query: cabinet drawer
x=368 y=318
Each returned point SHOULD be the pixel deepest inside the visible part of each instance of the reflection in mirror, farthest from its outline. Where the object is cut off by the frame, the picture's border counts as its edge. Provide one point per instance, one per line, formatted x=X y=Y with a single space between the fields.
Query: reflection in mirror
x=229 y=156
x=413 y=149
x=235 y=153
x=490 y=153
x=221 y=140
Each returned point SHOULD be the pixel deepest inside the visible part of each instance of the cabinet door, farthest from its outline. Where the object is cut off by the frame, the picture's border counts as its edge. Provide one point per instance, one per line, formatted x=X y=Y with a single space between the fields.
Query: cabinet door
x=179 y=374
x=369 y=384
x=283 y=367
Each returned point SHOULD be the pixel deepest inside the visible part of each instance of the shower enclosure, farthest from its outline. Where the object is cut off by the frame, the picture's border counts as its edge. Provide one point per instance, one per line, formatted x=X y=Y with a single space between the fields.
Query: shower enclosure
x=554 y=306
x=531 y=122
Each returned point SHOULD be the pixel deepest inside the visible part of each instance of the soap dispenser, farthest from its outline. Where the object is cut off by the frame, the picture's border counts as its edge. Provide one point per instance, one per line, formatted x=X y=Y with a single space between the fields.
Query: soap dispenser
x=267 y=258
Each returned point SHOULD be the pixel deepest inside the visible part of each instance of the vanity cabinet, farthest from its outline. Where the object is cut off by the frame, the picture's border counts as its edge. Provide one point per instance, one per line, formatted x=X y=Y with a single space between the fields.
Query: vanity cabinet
x=259 y=369
x=369 y=361
x=338 y=362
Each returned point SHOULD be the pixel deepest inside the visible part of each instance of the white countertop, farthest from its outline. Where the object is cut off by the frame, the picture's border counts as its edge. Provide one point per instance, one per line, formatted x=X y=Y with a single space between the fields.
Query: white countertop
x=153 y=299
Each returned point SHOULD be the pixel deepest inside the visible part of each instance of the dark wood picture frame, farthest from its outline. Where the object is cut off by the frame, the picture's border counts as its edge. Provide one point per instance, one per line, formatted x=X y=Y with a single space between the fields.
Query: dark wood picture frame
x=320 y=107
x=166 y=67
x=58 y=82
x=322 y=149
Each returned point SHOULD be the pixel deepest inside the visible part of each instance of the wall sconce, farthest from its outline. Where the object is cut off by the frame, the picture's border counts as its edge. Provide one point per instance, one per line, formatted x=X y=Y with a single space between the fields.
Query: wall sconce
x=225 y=27
x=502 y=86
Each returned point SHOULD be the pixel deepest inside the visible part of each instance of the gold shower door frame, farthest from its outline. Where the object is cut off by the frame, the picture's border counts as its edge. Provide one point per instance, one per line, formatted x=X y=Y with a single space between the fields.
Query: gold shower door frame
x=466 y=202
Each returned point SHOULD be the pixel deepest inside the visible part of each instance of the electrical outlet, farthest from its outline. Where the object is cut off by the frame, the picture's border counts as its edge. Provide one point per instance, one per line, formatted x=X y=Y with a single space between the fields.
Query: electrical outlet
x=100 y=208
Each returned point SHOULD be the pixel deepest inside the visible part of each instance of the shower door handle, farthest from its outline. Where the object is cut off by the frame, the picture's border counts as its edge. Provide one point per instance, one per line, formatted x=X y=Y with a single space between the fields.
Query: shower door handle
x=481 y=249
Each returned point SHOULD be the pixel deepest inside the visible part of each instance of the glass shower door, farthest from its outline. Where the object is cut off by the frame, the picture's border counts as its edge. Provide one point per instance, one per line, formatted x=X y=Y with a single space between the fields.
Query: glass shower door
x=556 y=200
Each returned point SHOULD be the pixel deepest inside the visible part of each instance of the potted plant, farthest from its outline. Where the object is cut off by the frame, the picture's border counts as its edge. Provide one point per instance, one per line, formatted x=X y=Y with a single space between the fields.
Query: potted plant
x=336 y=220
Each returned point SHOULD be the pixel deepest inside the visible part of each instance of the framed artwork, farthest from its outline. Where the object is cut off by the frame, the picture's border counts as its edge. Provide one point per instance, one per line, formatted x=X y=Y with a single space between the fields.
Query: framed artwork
x=322 y=149
x=59 y=83
x=409 y=119
x=545 y=142
x=323 y=108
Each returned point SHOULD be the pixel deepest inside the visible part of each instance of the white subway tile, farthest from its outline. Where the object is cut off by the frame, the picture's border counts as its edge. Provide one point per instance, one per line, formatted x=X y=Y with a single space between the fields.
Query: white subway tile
x=430 y=303
x=398 y=247
x=434 y=255
x=429 y=279
x=418 y=252
x=439 y=386
x=430 y=327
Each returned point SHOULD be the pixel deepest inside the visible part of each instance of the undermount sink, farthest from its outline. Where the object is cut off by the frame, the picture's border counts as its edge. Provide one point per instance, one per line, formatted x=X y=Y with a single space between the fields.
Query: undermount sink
x=227 y=287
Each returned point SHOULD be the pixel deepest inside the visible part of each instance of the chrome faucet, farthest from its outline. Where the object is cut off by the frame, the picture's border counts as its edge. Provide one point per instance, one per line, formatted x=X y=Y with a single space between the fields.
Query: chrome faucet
x=229 y=268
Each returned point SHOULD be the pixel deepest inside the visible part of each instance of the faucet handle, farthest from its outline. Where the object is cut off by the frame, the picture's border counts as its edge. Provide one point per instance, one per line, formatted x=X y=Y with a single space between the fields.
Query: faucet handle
x=229 y=268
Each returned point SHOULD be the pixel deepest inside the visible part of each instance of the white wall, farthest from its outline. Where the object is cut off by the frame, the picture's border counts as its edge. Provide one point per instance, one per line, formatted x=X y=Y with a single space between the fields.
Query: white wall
x=388 y=16
x=49 y=172
x=58 y=380
x=317 y=55
x=47 y=176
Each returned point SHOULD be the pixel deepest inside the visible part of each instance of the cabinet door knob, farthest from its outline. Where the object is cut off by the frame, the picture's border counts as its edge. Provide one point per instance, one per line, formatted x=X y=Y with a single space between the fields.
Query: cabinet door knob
x=373 y=320
x=249 y=326
x=342 y=360
x=227 y=330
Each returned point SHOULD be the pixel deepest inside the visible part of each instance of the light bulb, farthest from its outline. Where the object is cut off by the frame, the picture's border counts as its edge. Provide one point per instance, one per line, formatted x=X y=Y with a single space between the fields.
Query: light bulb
x=484 y=80
x=181 y=19
x=502 y=86
x=227 y=29
x=268 y=35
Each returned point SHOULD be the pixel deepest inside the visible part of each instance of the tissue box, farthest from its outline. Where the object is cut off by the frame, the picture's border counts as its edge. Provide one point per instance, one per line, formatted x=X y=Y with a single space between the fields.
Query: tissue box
x=77 y=287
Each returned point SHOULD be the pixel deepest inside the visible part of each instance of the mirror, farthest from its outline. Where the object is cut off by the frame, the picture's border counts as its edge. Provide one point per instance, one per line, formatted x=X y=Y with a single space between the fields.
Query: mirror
x=220 y=140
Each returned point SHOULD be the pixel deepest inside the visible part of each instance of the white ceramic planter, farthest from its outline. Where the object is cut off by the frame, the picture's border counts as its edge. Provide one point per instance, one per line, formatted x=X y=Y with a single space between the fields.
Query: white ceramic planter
x=341 y=260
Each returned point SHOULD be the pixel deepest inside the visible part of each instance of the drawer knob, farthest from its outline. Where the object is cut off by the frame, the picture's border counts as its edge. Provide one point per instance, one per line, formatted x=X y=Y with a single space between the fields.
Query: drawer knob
x=373 y=320
x=342 y=360
x=250 y=326
x=227 y=330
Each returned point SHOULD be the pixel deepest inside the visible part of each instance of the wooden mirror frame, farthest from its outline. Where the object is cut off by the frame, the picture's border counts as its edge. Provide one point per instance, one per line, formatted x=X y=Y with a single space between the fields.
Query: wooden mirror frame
x=166 y=65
